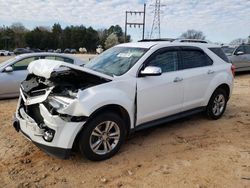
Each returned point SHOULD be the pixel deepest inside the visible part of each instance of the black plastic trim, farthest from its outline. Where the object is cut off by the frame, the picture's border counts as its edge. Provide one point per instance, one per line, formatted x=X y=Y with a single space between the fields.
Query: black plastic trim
x=168 y=118
x=61 y=153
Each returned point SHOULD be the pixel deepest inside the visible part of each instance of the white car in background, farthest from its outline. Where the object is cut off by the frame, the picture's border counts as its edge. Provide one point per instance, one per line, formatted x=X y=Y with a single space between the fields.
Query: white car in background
x=4 y=53
x=126 y=88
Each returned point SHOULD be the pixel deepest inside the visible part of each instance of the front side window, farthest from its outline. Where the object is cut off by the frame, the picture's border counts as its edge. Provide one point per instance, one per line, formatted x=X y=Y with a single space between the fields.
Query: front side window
x=64 y=59
x=167 y=61
x=194 y=59
x=240 y=49
x=247 y=49
x=59 y=58
x=23 y=64
x=116 y=61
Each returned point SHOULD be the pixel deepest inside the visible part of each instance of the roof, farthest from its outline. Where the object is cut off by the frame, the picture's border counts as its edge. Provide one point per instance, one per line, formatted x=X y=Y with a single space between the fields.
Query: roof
x=46 y=54
x=167 y=43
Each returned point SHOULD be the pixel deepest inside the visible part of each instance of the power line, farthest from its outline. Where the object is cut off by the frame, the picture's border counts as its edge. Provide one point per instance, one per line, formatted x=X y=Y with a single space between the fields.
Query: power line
x=156 y=26
x=135 y=24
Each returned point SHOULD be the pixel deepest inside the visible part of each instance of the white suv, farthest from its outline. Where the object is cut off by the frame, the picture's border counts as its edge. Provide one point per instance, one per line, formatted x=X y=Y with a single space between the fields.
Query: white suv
x=127 y=88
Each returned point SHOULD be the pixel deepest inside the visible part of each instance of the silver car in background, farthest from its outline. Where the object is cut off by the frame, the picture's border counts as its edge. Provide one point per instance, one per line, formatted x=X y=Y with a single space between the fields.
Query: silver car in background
x=240 y=58
x=14 y=71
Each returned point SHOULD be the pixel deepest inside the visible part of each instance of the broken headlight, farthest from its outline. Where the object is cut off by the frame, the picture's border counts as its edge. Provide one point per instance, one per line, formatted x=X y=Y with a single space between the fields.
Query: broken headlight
x=59 y=102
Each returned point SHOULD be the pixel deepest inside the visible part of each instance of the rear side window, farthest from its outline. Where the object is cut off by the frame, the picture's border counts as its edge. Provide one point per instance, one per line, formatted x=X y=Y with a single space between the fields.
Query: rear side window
x=194 y=58
x=219 y=52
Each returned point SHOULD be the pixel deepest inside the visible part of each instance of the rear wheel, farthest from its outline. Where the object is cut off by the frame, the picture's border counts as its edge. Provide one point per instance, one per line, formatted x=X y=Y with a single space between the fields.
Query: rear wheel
x=217 y=104
x=102 y=137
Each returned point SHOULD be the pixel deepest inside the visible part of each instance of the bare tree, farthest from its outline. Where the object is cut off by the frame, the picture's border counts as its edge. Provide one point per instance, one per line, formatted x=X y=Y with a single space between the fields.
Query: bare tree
x=238 y=41
x=193 y=34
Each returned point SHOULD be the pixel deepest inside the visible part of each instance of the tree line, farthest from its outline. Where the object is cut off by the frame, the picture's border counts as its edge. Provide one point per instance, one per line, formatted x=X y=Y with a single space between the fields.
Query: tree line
x=44 y=38
x=55 y=37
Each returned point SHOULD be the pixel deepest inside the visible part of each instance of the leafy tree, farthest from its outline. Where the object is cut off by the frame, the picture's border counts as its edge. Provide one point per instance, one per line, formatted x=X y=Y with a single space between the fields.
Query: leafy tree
x=193 y=34
x=111 y=41
x=19 y=34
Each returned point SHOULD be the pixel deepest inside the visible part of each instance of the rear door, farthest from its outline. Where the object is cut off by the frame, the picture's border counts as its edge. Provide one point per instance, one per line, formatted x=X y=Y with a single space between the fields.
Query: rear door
x=197 y=71
x=160 y=96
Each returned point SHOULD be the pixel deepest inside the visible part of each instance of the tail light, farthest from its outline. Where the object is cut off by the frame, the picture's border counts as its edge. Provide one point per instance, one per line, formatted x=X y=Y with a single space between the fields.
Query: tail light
x=233 y=70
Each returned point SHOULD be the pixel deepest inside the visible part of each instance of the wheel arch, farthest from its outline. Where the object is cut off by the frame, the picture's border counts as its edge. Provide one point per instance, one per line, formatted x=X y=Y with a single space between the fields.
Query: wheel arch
x=117 y=109
x=225 y=87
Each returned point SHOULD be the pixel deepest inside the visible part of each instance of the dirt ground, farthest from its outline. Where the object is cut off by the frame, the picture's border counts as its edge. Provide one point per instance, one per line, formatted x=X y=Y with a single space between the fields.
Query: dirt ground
x=192 y=152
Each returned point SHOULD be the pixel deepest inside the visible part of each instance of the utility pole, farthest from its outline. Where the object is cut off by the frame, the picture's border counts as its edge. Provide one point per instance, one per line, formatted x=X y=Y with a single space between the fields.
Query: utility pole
x=156 y=26
x=135 y=24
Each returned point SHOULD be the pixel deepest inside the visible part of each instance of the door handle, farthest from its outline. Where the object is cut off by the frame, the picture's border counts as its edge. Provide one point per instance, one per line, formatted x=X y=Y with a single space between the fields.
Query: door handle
x=210 y=72
x=178 y=79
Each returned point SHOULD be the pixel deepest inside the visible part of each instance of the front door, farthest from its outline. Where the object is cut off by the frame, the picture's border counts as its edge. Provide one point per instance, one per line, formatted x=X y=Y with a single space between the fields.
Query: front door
x=160 y=96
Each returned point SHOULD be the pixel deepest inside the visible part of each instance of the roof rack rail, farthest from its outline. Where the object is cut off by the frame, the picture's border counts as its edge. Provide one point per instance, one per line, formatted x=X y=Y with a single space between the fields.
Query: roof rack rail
x=155 y=40
x=191 y=40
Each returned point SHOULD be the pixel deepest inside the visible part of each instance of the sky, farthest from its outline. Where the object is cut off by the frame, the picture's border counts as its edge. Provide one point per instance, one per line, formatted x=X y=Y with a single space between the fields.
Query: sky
x=219 y=20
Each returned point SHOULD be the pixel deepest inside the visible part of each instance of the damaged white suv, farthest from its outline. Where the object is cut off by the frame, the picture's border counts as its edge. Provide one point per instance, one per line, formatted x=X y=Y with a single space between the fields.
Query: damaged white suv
x=128 y=87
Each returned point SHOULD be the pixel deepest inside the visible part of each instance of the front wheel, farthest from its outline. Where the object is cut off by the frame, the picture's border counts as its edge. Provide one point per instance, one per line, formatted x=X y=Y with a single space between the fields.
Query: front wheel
x=102 y=137
x=217 y=104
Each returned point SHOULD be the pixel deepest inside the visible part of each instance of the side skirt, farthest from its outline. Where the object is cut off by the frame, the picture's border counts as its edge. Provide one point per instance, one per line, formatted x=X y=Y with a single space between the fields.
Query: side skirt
x=168 y=119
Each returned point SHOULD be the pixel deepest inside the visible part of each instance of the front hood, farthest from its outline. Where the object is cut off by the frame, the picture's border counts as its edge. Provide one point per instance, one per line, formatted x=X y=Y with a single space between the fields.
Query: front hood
x=44 y=68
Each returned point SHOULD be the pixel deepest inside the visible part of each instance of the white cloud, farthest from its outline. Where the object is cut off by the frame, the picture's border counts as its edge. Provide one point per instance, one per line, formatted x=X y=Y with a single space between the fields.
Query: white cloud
x=221 y=20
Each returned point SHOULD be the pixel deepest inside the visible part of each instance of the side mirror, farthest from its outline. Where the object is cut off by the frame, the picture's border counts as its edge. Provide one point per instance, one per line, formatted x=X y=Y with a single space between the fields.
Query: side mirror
x=239 y=53
x=8 y=69
x=151 y=71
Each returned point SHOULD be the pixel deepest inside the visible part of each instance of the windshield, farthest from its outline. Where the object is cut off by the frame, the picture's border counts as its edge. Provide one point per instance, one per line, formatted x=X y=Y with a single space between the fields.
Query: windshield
x=116 y=61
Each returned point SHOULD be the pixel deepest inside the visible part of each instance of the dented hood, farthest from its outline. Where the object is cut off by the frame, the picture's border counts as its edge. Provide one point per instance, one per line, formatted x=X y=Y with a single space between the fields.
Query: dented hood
x=45 y=67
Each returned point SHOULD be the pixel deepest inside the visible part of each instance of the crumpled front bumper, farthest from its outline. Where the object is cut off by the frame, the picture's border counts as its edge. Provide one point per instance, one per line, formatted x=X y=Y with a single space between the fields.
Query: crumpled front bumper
x=64 y=132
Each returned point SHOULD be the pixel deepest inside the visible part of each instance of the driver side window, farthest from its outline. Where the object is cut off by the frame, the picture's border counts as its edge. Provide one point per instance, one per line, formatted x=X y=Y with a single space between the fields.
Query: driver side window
x=240 y=49
x=23 y=64
x=167 y=61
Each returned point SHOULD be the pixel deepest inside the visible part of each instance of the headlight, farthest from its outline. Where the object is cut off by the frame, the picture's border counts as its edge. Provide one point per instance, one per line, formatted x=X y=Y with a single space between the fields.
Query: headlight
x=59 y=102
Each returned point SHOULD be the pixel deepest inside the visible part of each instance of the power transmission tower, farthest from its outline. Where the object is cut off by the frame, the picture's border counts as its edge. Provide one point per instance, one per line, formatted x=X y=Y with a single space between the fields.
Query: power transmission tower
x=156 y=26
x=135 y=24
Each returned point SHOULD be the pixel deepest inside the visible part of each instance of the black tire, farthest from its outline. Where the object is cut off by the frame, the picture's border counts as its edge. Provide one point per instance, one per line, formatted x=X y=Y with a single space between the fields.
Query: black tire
x=213 y=104
x=100 y=121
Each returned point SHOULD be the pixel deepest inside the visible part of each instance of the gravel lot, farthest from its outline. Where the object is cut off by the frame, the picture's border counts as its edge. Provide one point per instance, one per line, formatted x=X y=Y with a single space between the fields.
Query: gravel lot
x=192 y=152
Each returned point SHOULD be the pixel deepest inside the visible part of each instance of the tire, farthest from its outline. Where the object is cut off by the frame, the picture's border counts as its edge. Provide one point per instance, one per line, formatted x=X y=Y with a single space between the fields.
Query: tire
x=217 y=104
x=96 y=142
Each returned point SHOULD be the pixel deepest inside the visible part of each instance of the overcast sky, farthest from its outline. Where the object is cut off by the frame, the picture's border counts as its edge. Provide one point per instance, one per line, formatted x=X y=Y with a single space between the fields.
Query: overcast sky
x=220 y=20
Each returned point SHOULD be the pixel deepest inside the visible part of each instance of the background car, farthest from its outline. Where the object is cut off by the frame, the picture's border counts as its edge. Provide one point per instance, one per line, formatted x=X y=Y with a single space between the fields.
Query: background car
x=67 y=51
x=14 y=70
x=58 y=50
x=73 y=51
x=18 y=51
x=241 y=58
x=4 y=53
